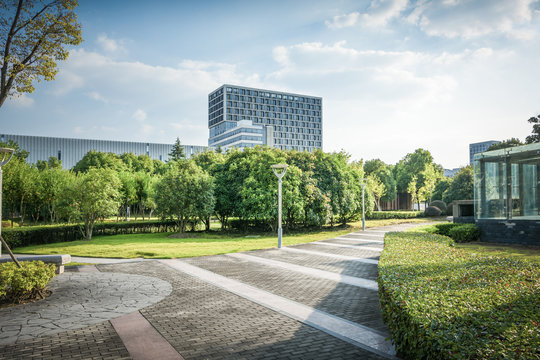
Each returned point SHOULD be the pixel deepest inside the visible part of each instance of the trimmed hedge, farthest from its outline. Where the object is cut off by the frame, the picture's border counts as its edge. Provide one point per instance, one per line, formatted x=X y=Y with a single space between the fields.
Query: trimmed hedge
x=442 y=302
x=25 y=283
x=382 y=215
x=440 y=204
x=46 y=234
x=433 y=211
x=465 y=233
x=459 y=232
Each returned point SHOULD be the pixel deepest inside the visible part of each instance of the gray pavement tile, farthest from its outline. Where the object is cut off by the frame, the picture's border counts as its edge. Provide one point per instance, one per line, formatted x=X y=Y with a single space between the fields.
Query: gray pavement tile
x=202 y=321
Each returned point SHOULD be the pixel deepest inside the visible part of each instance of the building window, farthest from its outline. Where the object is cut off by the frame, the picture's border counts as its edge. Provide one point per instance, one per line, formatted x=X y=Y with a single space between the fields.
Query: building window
x=59 y=155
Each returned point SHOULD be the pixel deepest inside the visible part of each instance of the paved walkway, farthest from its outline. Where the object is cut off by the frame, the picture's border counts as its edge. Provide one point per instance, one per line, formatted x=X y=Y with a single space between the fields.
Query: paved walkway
x=309 y=301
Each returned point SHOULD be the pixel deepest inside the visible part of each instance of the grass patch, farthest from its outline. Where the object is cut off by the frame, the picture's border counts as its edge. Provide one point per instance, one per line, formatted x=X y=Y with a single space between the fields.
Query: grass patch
x=160 y=245
x=452 y=302
x=513 y=251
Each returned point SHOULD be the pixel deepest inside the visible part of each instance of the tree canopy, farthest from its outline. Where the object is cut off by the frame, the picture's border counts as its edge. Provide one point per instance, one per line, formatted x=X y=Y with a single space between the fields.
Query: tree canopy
x=33 y=36
x=535 y=136
x=177 y=151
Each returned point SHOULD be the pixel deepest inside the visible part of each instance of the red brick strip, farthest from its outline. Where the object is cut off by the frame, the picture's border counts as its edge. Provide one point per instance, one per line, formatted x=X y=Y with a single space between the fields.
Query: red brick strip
x=142 y=340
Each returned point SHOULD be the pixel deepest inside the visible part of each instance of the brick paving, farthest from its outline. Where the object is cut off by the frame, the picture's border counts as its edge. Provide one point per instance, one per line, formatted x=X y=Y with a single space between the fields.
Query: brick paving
x=202 y=321
x=343 y=267
x=98 y=341
x=346 y=301
x=369 y=254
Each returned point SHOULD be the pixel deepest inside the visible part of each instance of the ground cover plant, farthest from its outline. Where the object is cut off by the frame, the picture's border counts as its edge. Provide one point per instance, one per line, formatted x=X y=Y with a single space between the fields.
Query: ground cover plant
x=447 y=302
x=26 y=283
x=162 y=245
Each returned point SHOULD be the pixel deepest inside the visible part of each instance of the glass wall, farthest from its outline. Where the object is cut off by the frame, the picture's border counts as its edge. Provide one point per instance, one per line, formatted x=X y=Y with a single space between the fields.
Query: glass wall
x=506 y=183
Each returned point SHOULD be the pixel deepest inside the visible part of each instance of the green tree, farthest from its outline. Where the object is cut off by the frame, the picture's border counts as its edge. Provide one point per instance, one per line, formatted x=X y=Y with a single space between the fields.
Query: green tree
x=535 y=136
x=177 y=151
x=384 y=173
x=93 y=195
x=34 y=35
x=52 y=163
x=18 y=187
x=52 y=181
x=440 y=188
x=462 y=186
x=185 y=193
x=100 y=160
x=505 y=144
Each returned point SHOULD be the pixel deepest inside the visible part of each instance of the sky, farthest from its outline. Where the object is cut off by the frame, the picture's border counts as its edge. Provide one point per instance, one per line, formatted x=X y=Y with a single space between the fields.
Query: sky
x=394 y=75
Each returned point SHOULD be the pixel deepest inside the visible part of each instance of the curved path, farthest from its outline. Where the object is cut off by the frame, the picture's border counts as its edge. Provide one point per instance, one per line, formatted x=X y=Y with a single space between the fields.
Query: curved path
x=313 y=301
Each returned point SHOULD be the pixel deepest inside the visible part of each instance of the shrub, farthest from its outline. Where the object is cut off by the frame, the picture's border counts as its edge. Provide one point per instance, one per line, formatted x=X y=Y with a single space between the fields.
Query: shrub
x=464 y=233
x=382 y=215
x=440 y=204
x=433 y=211
x=443 y=302
x=444 y=229
x=46 y=234
x=28 y=282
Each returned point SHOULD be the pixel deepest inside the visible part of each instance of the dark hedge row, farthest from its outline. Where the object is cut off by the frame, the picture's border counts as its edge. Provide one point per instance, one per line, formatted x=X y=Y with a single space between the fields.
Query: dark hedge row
x=37 y=235
x=442 y=302
x=459 y=232
x=382 y=215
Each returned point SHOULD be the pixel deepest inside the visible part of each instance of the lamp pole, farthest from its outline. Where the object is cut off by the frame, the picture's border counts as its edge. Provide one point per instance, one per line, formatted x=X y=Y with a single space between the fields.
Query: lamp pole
x=5 y=156
x=279 y=170
x=363 y=205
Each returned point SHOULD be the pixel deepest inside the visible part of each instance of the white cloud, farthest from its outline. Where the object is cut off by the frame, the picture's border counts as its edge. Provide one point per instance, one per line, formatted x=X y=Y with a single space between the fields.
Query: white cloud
x=109 y=45
x=97 y=96
x=139 y=115
x=473 y=19
x=379 y=13
x=22 y=100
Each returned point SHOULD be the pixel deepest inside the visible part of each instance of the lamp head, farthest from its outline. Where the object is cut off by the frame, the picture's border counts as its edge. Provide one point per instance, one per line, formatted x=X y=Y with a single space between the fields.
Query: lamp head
x=280 y=169
x=5 y=155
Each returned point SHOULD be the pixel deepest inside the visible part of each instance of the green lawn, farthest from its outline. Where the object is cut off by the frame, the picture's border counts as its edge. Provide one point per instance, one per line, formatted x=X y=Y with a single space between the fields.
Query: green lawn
x=199 y=244
x=523 y=252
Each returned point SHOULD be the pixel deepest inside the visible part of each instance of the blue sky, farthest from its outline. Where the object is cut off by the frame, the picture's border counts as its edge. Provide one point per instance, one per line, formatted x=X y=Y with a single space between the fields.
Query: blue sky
x=394 y=75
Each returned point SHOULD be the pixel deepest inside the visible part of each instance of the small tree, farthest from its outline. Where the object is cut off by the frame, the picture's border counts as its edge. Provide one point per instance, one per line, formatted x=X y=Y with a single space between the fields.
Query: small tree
x=34 y=35
x=185 y=193
x=535 y=136
x=462 y=186
x=177 y=151
x=94 y=195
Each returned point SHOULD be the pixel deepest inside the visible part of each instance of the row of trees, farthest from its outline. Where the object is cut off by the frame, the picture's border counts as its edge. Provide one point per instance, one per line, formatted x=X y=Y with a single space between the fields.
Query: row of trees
x=319 y=188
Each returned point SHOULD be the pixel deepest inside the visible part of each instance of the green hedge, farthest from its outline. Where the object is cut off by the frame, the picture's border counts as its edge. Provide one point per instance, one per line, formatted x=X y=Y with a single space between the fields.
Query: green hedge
x=382 y=215
x=37 y=235
x=442 y=302
x=28 y=282
x=465 y=233
x=458 y=232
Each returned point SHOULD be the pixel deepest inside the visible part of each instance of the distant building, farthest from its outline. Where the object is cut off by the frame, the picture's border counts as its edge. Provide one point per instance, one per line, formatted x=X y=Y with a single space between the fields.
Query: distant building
x=245 y=117
x=450 y=172
x=479 y=148
x=70 y=151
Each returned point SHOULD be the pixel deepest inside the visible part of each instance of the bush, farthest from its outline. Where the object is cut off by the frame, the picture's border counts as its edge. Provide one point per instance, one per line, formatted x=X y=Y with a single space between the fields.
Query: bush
x=464 y=233
x=444 y=229
x=440 y=204
x=46 y=234
x=443 y=302
x=433 y=211
x=382 y=215
x=25 y=283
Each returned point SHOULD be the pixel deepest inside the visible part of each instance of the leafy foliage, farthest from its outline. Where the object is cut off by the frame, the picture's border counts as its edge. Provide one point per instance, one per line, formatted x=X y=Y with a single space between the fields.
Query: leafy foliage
x=34 y=35
x=442 y=302
x=505 y=144
x=535 y=136
x=440 y=204
x=25 y=283
x=465 y=233
x=177 y=151
x=462 y=186
x=433 y=211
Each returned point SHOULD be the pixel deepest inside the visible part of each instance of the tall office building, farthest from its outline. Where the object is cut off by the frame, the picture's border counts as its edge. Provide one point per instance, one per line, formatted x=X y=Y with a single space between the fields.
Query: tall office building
x=245 y=117
x=479 y=147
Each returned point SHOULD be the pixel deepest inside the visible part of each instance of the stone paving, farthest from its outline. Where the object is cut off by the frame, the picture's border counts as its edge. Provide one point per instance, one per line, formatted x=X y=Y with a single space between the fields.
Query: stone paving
x=78 y=300
x=205 y=320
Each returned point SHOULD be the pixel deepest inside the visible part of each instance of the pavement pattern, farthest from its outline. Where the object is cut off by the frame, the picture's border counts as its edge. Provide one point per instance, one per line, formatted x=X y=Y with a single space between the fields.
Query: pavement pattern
x=308 y=301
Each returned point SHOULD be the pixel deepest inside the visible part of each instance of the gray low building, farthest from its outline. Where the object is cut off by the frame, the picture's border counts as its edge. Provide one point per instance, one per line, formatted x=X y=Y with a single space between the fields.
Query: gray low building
x=70 y=151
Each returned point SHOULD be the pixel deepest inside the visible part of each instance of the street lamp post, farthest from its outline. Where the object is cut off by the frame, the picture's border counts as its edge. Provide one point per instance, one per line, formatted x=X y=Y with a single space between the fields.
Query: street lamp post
x=5 y=156
x=279 y=170
x=363 y=205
